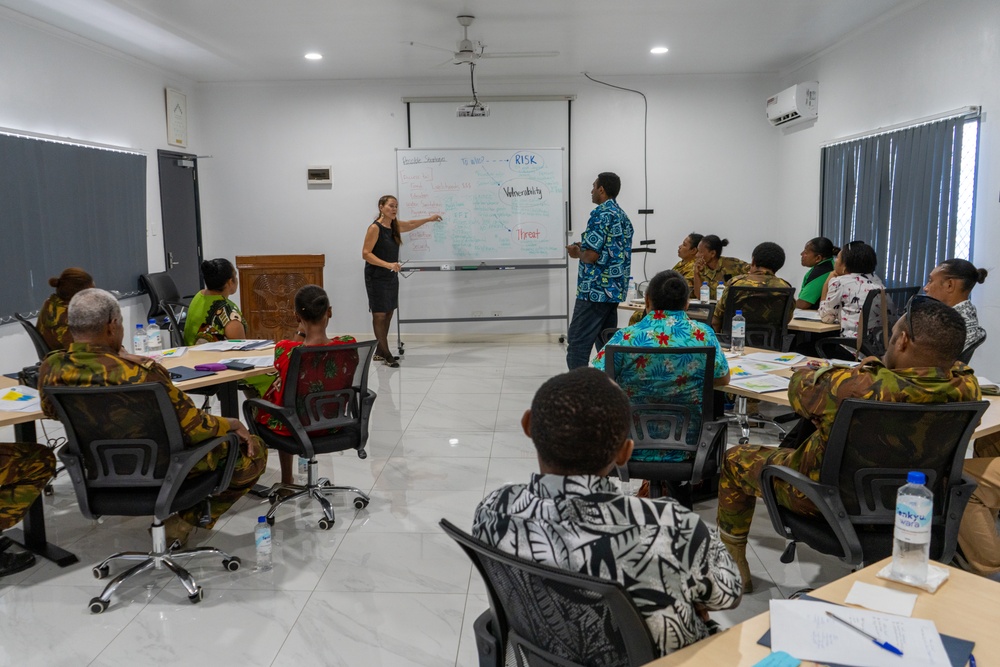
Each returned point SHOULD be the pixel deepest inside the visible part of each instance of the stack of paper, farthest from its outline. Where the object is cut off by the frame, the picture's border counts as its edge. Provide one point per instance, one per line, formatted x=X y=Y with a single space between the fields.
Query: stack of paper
x=227 y=345
x=802 y=314
x=258 y=362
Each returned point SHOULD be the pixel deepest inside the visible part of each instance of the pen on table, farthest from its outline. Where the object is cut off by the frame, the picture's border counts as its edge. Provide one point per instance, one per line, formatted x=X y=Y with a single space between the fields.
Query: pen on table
x=886 y=645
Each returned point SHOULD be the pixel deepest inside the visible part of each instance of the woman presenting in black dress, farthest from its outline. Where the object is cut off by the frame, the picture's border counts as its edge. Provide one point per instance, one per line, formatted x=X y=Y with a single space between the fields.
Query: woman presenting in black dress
x=381 y=254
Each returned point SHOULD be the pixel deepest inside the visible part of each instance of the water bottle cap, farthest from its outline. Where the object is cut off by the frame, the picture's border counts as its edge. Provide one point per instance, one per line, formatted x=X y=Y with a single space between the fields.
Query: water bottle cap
x=138 y=326
x=915 y=477
x=704 y=282
x=739 y=312
x=152 y=321
x=262 y=519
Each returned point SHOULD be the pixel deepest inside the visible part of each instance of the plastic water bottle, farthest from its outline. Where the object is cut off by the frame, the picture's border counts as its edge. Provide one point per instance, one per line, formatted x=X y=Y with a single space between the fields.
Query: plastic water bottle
x=739 y=333
x=911 y=539
x=630 y=296
x=153 y=341
x=719 y=289
x=303 y=468
x=262 y=538
x=139 y=340
x=703 y=297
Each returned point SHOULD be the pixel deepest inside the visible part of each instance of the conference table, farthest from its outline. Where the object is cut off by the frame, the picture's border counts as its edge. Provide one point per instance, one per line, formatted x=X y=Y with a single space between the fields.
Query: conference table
x=702 y=312
x=33 y=537
x=965 y=606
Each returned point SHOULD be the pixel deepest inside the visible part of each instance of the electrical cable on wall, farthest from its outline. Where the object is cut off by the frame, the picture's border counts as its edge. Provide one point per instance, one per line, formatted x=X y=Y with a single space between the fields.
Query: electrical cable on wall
x=645 y=165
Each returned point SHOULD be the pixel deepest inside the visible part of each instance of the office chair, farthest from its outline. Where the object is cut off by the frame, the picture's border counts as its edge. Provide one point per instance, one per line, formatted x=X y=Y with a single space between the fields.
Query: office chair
x=605 y=336
x=879 y=313
x=126 y=456
x=680 y=421
x=176 y=313
x=967 y=353
x=42 y=348
x=324 y=412
x=551 y=617
x=160 y=287
x=872 y=446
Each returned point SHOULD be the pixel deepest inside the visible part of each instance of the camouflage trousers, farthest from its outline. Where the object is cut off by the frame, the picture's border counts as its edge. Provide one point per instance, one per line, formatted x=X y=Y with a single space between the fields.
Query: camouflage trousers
x=978 y=535
x=25 y=468
x=739 y=488
x=248 y=470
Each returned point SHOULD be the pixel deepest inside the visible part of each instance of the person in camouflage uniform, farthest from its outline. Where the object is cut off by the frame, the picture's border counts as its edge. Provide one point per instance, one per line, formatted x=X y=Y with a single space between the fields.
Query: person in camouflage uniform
x=711 y=267
x=51 y=323
x=25 y=469
x=767 y=260
x=95 y=321
x=919 y=367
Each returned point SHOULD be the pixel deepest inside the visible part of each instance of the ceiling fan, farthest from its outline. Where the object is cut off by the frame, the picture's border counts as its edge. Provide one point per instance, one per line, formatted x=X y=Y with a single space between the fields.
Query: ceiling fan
x=469 y=52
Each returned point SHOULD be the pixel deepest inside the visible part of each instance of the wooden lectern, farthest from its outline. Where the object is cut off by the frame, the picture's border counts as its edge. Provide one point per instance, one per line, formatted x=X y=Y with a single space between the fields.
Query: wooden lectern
x=268 y=284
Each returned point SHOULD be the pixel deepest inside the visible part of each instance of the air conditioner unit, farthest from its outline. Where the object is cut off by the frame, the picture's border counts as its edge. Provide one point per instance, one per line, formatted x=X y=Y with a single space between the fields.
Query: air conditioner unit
x=794 y=105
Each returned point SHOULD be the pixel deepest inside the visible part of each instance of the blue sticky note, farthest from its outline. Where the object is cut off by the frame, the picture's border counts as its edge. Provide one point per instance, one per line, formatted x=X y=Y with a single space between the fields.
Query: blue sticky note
x=779 y=659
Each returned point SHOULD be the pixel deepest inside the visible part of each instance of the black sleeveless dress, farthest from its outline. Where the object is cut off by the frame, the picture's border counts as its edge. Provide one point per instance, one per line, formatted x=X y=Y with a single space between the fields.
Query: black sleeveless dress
x=383 y=284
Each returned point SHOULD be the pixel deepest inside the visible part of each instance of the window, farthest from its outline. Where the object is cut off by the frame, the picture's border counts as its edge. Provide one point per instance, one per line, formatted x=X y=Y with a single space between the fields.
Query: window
x=909 y=193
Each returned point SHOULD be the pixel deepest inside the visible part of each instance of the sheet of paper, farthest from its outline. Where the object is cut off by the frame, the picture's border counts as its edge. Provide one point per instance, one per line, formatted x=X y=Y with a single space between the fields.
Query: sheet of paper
x=801 y=314
x=19 y=399
x=227 y=345
x=745 y=368
x=783 y=358
x=260 y=362
x=762 y=384
x=802 y=628
x=879 y=598
x=172 y=353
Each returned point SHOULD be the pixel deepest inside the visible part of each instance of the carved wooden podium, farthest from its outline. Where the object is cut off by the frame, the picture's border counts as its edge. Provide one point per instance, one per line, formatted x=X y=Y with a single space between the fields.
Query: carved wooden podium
x=268 y=284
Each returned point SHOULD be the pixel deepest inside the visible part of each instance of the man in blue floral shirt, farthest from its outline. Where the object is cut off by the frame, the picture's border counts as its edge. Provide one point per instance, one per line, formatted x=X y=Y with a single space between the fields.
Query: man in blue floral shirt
x=605 y=254
x=676 y=380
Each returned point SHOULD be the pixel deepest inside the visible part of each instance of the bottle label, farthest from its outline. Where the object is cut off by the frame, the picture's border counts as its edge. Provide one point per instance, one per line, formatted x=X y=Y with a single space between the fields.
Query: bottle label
x=913 y=519
x=739 y=329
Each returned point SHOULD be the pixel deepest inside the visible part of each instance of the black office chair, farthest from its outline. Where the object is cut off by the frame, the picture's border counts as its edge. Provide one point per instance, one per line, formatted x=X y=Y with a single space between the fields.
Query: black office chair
x=880 y=311
x=872 y=446
x=176 y=313
x=126 y=456
x=160 y=287
x=324 y=412
x=42 y=348
x=605 y=336
x=967 y=353
x=767 y=311
x=681 y=420
x=551 y=617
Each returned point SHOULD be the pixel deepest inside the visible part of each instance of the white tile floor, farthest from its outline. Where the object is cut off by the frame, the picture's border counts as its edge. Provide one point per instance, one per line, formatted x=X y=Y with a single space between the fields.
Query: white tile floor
x=384 y=587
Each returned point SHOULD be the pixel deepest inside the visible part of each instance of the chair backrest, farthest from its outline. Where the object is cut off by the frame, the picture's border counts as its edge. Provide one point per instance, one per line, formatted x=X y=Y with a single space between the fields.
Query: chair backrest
x=41 y=347
x=324 y=384
x=873 y=334
x=967 y=353
x=556 y=618
x=605 y=336
x=671 y=389
x=767 y=310
x=160 y=287
x=874 y=444
x=176 y=312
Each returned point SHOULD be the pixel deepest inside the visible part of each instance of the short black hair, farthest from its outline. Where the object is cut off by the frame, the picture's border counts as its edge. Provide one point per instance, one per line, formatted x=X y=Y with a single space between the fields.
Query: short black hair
x=217 y=272
x=823 y=247
x=668 y=290
x=714 y=243
x=938 y=327
x=579 y=421
x=695 y=239
x=964 y=270
x=768 y=255
x=610 y=182
x=859 y=257
x=311 y=303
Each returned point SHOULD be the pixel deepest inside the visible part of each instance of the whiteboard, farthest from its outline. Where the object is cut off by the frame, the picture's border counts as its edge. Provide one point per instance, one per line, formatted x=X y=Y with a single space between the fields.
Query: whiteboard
x=496 y=203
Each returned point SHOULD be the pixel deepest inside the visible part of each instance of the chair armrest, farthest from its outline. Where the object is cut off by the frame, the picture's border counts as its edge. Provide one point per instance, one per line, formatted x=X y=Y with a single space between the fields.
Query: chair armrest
x=826 y=498
x=286 y=416
x=957 y=498
x=181 y=464
x=713 y=439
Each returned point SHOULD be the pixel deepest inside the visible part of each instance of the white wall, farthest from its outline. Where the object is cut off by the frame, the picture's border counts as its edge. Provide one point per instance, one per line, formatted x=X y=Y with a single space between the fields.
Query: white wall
x=53 y=83
x=938 y=56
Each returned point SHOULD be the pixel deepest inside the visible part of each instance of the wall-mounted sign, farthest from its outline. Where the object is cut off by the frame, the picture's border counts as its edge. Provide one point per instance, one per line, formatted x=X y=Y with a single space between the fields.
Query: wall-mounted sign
x=177 y=122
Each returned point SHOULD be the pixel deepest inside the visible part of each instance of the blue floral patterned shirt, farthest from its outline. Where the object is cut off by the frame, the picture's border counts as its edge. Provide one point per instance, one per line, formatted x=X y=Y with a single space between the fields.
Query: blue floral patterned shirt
x=656 y=382
x=609 y=234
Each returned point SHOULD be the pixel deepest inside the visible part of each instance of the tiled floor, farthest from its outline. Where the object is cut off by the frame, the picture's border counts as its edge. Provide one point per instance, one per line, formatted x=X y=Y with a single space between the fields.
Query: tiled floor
x=384 y=587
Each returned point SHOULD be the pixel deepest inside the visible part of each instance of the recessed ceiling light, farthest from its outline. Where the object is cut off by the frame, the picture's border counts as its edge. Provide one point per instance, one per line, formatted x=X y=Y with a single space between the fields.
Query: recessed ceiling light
x=314 y=56
x=658 y=50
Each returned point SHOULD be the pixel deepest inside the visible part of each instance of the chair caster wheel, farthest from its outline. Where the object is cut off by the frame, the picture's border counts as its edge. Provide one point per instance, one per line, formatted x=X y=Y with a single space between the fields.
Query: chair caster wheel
x=325 y=524
x=272 y=498
x=362 y=454
x=270 y=520
x=101 y=572
x=232 y=564
x=198 y=596
x=744 y=441
x=49 y=490
x=360 y=503
x=98 y=606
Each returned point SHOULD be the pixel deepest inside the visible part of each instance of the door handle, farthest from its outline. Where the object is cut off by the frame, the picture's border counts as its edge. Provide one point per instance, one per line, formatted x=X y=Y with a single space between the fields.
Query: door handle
x=170 y=261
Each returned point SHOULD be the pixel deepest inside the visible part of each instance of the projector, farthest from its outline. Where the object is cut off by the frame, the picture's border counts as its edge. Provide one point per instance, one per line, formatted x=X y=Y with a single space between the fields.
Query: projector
x=472 y=111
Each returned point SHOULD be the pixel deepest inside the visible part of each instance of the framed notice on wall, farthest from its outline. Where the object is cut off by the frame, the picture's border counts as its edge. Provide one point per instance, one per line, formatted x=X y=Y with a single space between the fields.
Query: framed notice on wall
x=177 y=128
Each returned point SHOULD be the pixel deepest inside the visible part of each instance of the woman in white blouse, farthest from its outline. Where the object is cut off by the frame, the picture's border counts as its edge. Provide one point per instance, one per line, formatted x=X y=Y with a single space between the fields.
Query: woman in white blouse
x=847 y=287
x=951 y=282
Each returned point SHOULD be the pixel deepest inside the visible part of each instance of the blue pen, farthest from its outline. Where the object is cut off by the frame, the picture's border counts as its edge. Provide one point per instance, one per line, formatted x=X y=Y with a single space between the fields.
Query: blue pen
x=886 y=645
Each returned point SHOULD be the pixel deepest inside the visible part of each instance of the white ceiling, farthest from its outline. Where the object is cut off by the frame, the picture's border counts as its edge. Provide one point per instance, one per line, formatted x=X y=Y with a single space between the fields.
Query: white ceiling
x=265 y=40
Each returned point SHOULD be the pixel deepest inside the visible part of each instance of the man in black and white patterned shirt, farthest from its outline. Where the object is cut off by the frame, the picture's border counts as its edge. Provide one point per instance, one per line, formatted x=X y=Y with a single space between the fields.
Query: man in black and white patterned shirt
x=573 y=516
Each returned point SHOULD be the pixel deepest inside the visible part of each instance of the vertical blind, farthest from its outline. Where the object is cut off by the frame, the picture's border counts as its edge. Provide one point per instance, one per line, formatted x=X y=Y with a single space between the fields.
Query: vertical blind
x=898 y=192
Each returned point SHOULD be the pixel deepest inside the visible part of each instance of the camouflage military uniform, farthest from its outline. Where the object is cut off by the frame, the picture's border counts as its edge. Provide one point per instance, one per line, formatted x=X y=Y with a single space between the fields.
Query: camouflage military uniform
x=727 y=268
x=52 y=323
x=748 y=280
x=25 y=468
x=85 y=365
x=815 y=395
x=685 y=267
